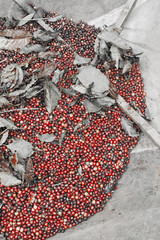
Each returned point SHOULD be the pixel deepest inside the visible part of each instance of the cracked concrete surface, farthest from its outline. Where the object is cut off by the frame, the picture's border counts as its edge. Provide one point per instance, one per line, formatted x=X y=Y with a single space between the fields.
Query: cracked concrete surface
x=133 y=213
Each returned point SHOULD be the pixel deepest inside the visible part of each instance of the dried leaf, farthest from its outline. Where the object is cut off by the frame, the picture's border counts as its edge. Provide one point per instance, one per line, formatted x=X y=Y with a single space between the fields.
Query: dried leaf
x=28 y=91
x=13 y=44
x=61 y=139
x=4 y=137
x=16 y=93
x=80 y=60
x=47 y=55
x=47 y=137
x=18 y=77
x=89 y=89
x=103 y=49
x=29 y=172
x=32 y=48
x=69 y=91
x=32 y=82
x=3 y=101
x=17 y=166
x=57 y=76
x=7 y=179
x=4 y=165
x=7 y=123
x=38 y=13
x=44 y=36
x=97 y=46
x=89 y=74
x=113 y=38
x=32 y=92
x=91 y=106
x=116 y=56
x=25 y=19
x=128 y=127
x=23 y=148
x=11 y=33
x=147 y=114
x=84 y=123
x=79 y=88
x=95 y=60
x=80 y=171
x=54 y=19
x=127 y=67
x=77 y=126
x=12 y=75
x=47 y=69
x=106 y=101
x=52 y=95
x=28 y=61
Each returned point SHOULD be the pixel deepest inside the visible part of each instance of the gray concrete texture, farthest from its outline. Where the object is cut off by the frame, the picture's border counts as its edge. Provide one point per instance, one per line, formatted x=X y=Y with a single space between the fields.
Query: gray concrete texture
x=85 y=10
x=133 y=213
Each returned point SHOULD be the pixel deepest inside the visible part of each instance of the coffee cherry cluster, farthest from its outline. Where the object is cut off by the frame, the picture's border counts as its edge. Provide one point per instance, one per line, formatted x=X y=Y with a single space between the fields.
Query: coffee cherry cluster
x=61 y=197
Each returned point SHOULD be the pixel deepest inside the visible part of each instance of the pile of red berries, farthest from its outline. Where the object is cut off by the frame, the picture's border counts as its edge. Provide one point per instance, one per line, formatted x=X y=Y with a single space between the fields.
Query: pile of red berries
x=60 y=197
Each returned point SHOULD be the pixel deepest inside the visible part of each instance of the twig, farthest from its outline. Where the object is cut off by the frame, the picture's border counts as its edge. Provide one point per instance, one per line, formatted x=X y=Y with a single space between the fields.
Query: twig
x=20 y=109
x=4 y=131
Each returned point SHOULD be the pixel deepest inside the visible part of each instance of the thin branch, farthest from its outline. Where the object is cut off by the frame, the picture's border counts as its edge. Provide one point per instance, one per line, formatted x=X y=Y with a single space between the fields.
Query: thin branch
x=20 y=109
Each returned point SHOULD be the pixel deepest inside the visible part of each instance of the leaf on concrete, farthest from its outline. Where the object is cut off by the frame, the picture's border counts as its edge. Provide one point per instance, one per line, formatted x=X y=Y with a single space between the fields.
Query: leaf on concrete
x=7 y=179
x=46 y=137
x=127 y=67
x=57 y=76
x=4 y=137
x=52 y=95
x=89 y=74
x=128 y=127
x=12 y=33
x=23 y=148
x=80 y=60
x=7 y=123
x=26 y=19
x=91 y=106
x=113 y=38
x=32 y=48
x=13 y=44
x=115 y=54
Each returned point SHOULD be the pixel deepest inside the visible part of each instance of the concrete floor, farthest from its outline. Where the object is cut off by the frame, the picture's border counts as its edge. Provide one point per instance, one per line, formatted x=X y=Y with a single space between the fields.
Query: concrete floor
x=133 y=213
x=85 y=10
